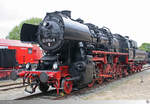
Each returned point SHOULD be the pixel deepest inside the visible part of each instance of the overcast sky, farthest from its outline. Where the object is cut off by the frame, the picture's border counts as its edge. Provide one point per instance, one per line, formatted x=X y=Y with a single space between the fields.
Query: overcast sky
x=127 y=17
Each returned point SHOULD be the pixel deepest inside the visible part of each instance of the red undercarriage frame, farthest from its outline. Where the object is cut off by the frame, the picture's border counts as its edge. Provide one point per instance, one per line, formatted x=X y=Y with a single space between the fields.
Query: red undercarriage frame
x=5 y=72
x=59 y=79
x=116 y=70
x=54 y=78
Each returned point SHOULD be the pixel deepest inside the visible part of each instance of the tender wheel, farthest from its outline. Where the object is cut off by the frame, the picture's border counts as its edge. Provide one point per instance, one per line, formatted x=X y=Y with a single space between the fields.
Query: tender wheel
x=115 y=76
x=43 y=87
x=67 y=85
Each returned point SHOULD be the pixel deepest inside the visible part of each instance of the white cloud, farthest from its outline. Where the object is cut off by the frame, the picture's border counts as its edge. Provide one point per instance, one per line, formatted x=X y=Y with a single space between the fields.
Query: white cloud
x=127 y=17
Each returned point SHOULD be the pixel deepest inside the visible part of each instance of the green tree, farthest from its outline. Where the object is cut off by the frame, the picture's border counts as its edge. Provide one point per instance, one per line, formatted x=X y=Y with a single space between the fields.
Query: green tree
x=145 y=47
x=14 y=34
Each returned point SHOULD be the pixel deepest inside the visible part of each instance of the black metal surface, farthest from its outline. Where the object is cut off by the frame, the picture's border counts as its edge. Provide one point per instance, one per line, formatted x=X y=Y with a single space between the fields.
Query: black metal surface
x=58 y=27
x=28 y=33
x=43 y=77
x=72 y=30
x=76 y=31
x=88 y=74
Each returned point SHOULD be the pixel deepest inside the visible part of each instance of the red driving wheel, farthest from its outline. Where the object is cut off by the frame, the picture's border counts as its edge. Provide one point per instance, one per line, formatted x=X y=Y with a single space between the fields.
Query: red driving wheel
x=100 y=80
x=92 y=83
x=67 y=85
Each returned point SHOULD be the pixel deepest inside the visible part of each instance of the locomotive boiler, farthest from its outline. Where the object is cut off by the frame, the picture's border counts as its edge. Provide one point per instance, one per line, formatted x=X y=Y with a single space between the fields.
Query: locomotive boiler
x=77 y=54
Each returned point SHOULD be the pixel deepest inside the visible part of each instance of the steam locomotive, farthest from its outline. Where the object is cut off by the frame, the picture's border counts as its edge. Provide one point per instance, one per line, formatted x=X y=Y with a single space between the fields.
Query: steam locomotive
x=77 y=54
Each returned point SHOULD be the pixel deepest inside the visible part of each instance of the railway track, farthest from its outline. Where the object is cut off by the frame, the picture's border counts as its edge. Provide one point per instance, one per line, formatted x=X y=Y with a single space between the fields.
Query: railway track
x=52 y=95
x=146 y=67
x=12 y=87
x=6 y=87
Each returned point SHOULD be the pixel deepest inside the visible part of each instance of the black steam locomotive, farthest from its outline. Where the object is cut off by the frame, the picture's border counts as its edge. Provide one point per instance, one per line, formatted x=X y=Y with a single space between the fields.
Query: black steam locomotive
x=77 y=54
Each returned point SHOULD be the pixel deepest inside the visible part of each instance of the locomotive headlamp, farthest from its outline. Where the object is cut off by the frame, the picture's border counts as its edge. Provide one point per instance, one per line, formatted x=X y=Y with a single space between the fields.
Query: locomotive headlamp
x=28 y=66
x=55 y=65
x=44 y=23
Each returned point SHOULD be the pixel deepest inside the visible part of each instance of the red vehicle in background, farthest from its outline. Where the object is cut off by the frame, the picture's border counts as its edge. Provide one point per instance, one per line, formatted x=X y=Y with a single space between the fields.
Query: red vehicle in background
x=15 y=55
